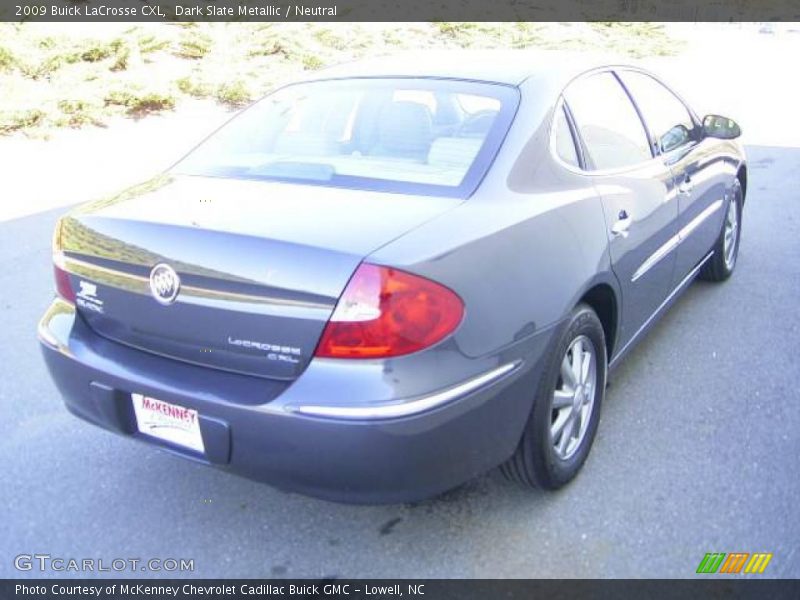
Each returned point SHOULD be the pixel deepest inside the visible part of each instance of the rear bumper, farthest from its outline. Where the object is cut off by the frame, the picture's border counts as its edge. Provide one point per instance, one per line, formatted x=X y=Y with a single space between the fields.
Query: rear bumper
x=249 y=427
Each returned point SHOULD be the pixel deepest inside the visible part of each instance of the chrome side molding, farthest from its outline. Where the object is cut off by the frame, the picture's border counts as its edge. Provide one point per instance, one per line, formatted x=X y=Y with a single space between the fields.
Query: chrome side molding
x=410 y=407
x=675 y=241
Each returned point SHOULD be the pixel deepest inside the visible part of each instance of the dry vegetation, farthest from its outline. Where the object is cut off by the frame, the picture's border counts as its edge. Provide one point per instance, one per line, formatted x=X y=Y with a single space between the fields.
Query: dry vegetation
x=53 y=76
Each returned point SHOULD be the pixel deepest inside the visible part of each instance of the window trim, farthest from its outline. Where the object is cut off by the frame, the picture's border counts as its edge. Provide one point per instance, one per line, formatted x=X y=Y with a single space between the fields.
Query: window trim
x=654 y=150
x=653 y=141
x=588 y=168
x=563 y=108
x=576 y=139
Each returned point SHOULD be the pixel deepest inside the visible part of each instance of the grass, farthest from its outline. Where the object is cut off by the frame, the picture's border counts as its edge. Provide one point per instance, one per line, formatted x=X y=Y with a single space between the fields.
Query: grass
x=192 y=87
x=194 y=45
x=140 y=103
x=18 y=120
x=6 y=59
x=235 y=93
x=97 y=51
x=151 y=43
x=76 y=113
x=101 y=71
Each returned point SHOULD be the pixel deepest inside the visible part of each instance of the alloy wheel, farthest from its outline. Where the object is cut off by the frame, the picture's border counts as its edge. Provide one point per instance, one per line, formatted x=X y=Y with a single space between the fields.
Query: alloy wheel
x=731 y=234
x=573 y=398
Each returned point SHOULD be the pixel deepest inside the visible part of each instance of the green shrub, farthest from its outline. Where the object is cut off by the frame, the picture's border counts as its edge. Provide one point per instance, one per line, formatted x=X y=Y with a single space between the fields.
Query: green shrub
x=194 y=46
x=121 y=56
x=41 y=68
x=525 y=35
x=140 y=103
x=6 y=59
x=96 y=53
x=269 y=41
x=71 y=106
x=192 y=87
x=151 y=102
x=311 y=62
x=71 y=58
x=76 y=113
x=268 y=47
x=331 y=39
x=393 y=38
x=455 y=29
x=151 y=43
x=235 y=93
x=17 y=120
x=119 y=97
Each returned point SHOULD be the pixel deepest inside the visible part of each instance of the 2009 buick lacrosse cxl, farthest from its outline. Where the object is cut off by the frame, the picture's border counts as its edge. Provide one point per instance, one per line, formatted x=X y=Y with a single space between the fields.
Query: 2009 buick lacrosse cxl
x=376 y=284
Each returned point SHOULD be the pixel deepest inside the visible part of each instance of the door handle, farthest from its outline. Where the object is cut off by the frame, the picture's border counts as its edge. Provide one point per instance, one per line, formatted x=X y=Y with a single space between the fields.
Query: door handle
x=620 y=227
x=686 y=186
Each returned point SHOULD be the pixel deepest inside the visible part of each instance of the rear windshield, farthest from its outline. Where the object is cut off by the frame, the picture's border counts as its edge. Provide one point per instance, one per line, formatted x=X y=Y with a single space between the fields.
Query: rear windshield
x=422 y=136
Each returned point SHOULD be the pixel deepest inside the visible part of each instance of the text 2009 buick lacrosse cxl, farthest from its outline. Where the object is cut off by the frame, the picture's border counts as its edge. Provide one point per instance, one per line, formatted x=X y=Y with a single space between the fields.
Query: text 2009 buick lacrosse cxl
x=376 y=284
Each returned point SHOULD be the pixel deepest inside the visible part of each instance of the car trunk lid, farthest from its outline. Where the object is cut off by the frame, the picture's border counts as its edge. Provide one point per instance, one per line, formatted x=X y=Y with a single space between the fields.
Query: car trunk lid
x=261 y=265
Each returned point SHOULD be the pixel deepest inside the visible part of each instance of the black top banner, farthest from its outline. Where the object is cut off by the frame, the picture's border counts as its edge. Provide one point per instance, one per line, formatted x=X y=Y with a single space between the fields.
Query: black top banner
x=363 y=589
x=400 y=10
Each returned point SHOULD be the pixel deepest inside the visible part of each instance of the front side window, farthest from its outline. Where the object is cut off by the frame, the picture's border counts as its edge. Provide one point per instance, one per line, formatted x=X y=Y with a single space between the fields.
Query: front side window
x=612 y=131
x=406 y=135
x=667 y=117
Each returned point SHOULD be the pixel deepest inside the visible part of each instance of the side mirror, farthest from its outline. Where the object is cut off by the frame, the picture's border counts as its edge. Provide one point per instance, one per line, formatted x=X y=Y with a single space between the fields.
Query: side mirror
x=675 y=137
x=720 y=127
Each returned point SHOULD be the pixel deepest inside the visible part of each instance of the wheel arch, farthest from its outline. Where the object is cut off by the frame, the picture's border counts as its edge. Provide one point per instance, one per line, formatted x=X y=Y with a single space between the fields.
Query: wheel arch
x=603 y=299
x=741 y=175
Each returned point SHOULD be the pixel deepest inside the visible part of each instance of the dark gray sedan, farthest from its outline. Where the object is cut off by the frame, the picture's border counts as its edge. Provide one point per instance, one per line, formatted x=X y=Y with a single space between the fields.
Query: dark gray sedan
x=376 y=284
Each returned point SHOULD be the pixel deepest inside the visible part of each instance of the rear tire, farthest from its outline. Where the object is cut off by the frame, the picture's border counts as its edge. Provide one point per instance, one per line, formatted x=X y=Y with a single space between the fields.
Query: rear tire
x=566 y=409
x=726 y=249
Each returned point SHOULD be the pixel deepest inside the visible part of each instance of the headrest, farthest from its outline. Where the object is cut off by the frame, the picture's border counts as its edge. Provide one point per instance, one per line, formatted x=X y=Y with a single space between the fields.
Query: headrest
x=405 y=130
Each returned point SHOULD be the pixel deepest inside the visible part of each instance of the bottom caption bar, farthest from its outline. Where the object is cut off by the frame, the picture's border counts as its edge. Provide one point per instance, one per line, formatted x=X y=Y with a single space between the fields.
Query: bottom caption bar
x=379 y=589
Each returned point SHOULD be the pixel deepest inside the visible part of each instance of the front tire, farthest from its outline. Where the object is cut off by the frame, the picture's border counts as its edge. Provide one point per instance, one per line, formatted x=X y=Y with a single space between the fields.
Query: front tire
x=566 y=410
x=726 y=249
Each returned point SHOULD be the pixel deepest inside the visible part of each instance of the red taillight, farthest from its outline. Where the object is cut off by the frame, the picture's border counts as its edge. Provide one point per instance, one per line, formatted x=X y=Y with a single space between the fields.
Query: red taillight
x=385 y=312
x=63 y=286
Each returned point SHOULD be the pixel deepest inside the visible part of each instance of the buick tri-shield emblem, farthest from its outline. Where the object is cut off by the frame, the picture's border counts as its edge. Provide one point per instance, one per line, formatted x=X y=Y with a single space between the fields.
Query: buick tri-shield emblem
x=164 y=283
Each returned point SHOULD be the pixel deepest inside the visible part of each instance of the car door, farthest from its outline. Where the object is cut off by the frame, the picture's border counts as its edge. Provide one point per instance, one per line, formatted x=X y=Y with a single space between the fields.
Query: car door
x=700 y=181
x=637 y=192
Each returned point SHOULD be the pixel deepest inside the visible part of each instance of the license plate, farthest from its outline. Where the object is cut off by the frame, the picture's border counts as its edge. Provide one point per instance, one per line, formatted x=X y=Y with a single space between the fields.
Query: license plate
x=169 y=422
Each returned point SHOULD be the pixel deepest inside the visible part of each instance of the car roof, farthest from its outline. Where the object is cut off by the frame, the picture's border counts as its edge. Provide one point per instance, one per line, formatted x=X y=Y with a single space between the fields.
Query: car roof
x=510 y=67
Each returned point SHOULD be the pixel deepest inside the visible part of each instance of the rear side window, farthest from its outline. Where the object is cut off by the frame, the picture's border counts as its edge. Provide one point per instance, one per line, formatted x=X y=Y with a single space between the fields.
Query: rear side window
x=612 y=131
x=565 y=144
x=667 y=117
